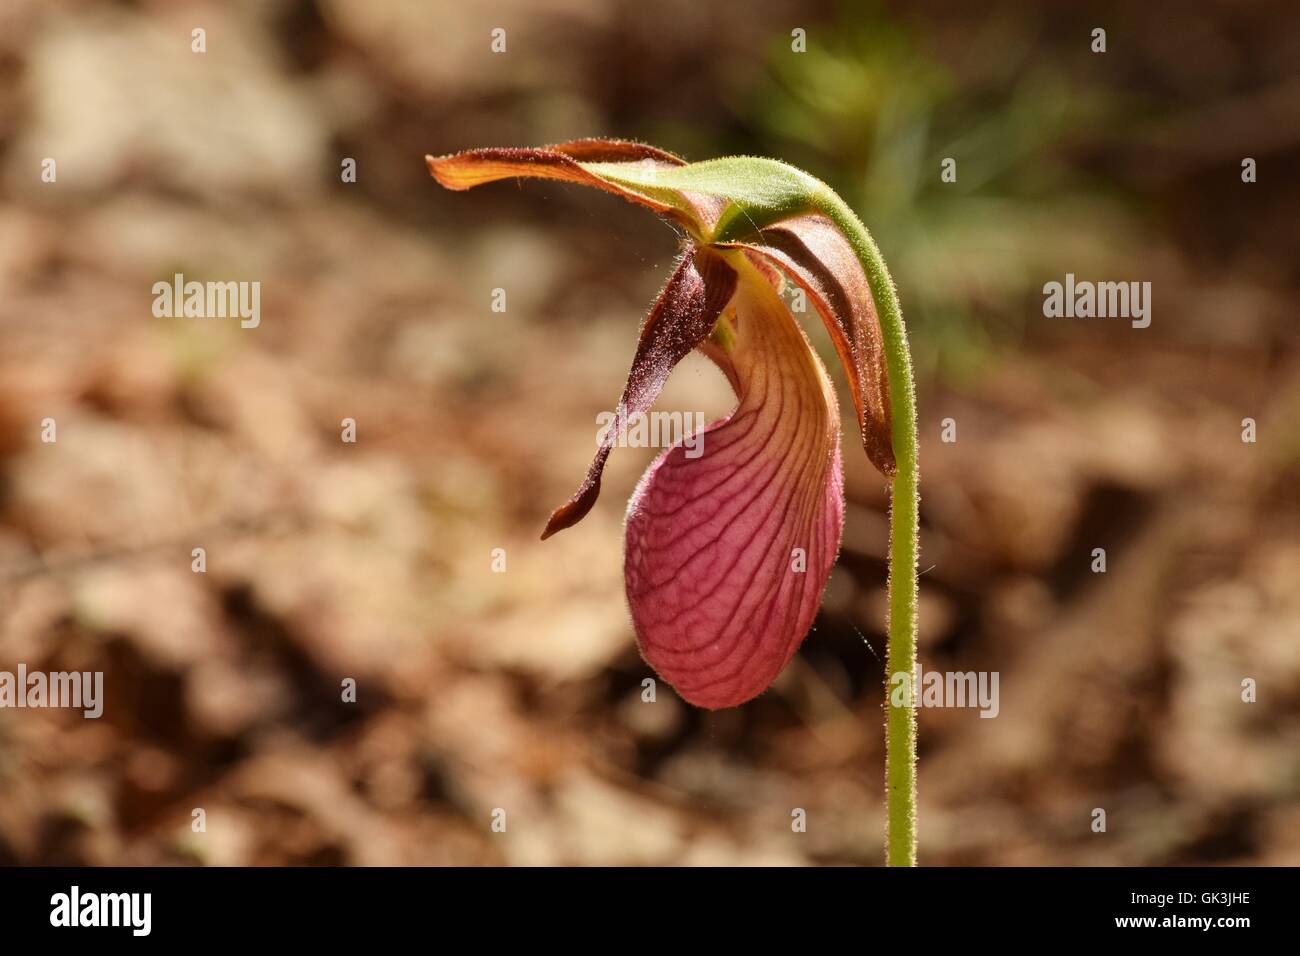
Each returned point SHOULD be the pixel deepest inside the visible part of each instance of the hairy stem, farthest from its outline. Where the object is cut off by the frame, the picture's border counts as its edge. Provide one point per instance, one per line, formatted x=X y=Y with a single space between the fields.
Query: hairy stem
x=900 y=730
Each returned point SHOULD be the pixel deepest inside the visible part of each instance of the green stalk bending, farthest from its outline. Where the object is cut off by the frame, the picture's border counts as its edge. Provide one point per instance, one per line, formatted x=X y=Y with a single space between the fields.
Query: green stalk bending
x=900 y=729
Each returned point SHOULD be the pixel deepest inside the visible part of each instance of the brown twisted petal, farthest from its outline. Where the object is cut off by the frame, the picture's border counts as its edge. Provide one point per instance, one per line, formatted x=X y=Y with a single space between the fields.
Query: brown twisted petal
x=682 y=317
x=564 y=161
x=818 y=257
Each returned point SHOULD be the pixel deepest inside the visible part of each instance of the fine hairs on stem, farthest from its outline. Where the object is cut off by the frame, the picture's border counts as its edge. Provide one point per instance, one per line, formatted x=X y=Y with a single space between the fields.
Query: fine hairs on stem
x=900 y=726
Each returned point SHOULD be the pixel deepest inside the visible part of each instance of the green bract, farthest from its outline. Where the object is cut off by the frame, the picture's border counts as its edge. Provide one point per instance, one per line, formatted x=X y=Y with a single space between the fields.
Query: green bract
x=758 y=192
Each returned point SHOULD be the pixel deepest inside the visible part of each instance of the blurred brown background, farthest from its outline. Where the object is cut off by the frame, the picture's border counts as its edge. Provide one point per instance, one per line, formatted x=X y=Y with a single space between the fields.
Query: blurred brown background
x=521 y=690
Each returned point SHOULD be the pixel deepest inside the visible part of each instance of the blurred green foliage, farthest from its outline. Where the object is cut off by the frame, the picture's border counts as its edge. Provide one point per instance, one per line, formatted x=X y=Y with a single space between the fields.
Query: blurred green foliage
x=869 y=112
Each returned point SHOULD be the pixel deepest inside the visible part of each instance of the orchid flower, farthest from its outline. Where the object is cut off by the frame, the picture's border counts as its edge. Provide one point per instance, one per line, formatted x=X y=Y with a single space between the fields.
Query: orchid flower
x=727 y=552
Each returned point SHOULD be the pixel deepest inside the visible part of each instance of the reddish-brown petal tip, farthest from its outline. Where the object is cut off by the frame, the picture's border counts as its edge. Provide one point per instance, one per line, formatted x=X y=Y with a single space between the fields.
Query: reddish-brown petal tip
x=683 y=316
x=563 y=161
x=573 y=162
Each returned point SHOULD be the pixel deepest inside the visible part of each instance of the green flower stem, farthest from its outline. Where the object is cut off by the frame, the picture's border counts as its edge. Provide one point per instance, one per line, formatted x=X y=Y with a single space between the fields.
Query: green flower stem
x=900 y=731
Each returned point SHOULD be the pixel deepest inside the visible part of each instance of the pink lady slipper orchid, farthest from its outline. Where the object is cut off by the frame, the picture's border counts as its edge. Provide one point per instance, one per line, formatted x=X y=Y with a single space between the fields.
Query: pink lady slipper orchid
x=727 y=553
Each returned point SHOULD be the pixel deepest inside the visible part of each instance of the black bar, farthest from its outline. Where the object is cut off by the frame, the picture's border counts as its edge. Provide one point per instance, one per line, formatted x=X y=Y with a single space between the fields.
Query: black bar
x=439 y=906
